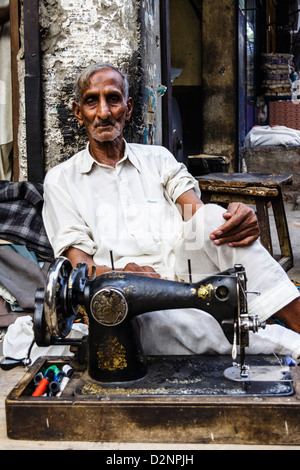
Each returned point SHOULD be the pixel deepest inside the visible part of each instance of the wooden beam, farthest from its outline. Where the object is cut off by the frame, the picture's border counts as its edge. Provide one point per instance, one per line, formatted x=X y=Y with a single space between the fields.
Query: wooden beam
x=15 y=46
x=33 y=92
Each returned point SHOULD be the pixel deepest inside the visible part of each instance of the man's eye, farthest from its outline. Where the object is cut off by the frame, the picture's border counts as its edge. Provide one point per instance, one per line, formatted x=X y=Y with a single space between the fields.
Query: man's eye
x=90 y=101
x=114 y=99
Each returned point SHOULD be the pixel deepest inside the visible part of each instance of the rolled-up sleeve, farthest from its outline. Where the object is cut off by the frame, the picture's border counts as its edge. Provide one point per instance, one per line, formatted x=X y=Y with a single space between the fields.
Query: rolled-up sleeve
x=64 y=225
x=176 y=178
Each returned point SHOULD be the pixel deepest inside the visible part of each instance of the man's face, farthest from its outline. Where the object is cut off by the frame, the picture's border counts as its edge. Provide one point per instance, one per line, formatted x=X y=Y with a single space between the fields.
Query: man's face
x=103 y=108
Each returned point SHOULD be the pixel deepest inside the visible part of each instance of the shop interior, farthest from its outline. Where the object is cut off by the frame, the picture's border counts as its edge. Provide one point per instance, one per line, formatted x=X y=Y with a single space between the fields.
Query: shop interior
x=268 y=65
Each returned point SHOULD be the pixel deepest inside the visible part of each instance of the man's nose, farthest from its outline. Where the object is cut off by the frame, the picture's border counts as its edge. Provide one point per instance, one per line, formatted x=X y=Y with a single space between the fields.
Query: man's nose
x=103 y=110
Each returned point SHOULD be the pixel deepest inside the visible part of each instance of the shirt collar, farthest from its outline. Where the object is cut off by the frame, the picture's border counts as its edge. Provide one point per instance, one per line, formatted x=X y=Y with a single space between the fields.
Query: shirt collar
x=131 y=156
x=86 y=161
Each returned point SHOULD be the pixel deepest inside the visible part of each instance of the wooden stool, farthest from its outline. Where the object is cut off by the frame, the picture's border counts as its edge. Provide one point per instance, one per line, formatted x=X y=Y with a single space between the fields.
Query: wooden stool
x=258 y=189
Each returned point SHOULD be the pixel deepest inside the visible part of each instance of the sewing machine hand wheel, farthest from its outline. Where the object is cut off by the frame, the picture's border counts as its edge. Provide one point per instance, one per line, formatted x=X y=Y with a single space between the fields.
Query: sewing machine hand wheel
x=54 y=315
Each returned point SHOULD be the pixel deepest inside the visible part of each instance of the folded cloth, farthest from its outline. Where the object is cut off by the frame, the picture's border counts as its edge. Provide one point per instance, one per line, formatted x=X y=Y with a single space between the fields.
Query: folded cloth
x=271 y=135
x=209 y=339
x=191 y=331
x=21 y=276
x=19 y=336
x=21 y=216
x=7 y=316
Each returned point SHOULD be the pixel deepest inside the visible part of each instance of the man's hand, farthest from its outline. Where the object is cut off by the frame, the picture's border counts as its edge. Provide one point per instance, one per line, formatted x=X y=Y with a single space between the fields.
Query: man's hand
x=240 y=229
x=141 y=270
x=78 y=256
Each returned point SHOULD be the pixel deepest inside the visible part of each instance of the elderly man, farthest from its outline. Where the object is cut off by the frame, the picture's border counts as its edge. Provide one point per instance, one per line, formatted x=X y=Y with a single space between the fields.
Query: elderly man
x=142 y=204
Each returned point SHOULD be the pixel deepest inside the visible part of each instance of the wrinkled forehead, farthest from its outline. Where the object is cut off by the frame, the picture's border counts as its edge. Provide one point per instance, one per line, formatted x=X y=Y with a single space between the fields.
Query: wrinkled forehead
x=104 y=78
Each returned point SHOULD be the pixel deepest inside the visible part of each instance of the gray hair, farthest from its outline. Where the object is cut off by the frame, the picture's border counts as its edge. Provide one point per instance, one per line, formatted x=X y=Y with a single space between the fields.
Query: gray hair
x=83 y=79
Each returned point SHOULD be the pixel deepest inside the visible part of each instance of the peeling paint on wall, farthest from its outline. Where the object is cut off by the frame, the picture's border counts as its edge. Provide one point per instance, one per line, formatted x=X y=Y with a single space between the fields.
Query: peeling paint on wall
x=150 y=46
x=75 y=34
x=90 y=32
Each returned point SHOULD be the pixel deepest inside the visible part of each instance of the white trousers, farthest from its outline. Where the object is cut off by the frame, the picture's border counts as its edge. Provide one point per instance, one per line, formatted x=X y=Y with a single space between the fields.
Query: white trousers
x=192 y=331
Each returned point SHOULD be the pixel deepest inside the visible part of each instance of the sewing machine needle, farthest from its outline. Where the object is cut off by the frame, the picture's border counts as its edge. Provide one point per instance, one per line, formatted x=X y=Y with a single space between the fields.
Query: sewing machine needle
x=234 y=348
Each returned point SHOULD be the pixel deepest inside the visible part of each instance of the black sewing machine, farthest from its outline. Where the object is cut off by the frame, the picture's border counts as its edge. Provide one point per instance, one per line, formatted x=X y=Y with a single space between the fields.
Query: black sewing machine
x=129 y=396
x=112 y=300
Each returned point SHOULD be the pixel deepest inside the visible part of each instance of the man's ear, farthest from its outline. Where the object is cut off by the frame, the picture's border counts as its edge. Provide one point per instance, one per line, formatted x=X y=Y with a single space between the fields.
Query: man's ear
x=129 y=103
x=77 y=112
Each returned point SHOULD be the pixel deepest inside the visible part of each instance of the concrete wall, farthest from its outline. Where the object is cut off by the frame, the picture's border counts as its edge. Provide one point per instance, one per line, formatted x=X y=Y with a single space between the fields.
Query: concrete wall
x=127 y=33
x=219 y=80
x=75 y=34
x=185 y=42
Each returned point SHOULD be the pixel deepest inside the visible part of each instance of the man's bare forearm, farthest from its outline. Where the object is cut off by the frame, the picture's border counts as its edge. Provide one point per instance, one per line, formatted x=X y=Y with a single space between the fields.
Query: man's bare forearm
x=78 y=256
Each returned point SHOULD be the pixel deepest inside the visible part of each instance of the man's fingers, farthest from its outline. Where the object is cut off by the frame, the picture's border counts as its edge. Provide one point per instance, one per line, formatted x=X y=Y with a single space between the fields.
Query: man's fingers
x=240 y=229
x=245 y=242
x=243 y=238
x=148 y=271
x=238 y=221
x=141 y=270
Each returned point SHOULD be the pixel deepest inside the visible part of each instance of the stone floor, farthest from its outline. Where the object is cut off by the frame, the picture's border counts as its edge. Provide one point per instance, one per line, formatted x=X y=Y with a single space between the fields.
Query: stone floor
x=293 y=217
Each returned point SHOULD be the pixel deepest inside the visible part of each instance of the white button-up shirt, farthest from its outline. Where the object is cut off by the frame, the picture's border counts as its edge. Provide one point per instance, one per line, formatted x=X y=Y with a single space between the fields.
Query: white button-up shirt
x=129 y=209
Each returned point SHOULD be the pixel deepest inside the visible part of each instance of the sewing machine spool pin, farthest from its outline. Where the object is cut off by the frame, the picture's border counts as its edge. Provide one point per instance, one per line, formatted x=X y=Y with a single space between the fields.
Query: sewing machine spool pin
x=190 y=270
x=112 y=260
x=114 y=299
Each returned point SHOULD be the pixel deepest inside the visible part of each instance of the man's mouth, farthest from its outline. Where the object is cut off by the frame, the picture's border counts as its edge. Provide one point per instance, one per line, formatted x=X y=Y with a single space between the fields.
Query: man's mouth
x=103 y=125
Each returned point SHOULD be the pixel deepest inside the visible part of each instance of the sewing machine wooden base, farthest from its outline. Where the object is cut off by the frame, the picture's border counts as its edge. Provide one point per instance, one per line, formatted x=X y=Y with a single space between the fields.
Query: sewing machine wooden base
x=182 y=399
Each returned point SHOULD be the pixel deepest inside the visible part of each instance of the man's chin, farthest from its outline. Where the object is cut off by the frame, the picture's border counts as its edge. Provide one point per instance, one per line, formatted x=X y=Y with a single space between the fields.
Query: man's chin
x=106 y=136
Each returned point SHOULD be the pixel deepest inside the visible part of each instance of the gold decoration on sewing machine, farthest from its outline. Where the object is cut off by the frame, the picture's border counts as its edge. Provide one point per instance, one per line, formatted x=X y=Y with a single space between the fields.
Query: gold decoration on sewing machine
x=109 y=306
x=111 y=355
x=205 y=292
